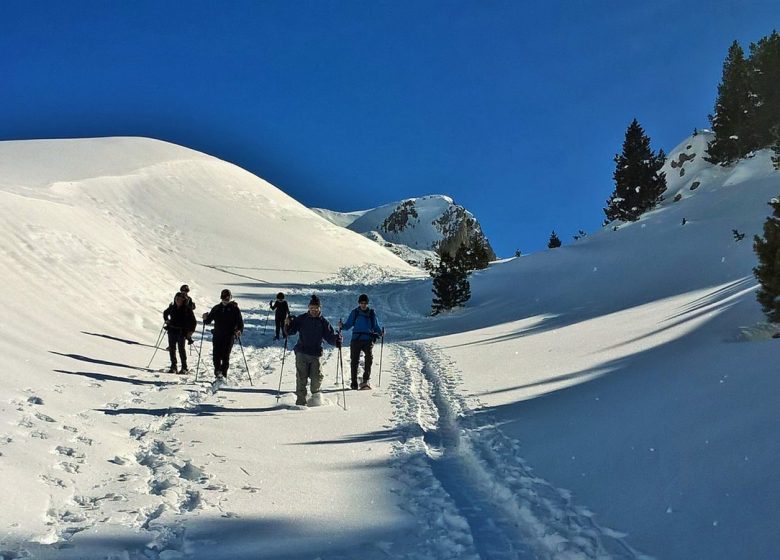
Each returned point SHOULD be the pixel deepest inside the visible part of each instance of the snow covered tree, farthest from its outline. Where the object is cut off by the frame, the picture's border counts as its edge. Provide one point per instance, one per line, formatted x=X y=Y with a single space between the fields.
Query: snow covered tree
x=451 y=287
x=734 y=111
x=768 y=270
x=638 y=180
x=554 y=241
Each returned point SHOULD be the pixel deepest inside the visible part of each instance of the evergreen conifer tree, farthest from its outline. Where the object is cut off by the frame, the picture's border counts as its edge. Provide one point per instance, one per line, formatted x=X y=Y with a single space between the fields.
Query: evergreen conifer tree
x=451 y=287
x=768 y=270
x=734 y=111
x=638 y=181
x=765 y=64
x=554 y=241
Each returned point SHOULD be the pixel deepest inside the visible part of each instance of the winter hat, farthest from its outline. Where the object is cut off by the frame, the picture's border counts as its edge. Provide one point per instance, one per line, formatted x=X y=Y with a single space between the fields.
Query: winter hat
x=314 y=301
x=280 y=295
x=363 y=297
x=225 y=294
x=184 y=288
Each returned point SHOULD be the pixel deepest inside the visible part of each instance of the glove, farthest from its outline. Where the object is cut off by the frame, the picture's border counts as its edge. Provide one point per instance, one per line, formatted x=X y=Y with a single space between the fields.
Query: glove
x=341 y=325
x=205 y=316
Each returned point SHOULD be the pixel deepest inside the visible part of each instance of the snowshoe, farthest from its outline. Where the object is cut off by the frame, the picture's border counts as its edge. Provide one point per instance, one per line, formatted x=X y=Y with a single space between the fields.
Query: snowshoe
x=365 y=386
x=218 y=382
x=171 y=369
x=315 y=400
x=184 y=371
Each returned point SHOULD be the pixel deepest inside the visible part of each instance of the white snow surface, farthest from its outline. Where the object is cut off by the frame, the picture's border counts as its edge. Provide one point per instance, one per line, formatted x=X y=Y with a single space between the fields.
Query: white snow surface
x=615 y=398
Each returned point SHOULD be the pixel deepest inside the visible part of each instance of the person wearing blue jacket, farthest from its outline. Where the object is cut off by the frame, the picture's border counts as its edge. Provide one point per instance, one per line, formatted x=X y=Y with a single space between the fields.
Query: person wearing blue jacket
x=312 y=328
x=366 y=331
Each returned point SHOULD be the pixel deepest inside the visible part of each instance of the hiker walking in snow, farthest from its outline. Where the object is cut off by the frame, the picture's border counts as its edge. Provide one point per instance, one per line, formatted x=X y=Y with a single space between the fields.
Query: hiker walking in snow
x=312 y=328
x=366 y=332
x=185 y=291
x=180 y=323
x=281 y=311
x=228 y=324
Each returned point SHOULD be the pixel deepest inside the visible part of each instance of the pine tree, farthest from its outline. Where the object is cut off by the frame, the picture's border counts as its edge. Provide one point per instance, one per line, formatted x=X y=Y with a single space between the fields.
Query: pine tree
x=554 y=241
x=451 y=287
x=767 y=272
x=734 y=110
x=638 y=181
x=765 y=65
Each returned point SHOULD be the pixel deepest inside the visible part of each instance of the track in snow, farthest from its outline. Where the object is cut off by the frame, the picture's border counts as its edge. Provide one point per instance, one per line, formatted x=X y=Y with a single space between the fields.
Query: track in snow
x=468 y=483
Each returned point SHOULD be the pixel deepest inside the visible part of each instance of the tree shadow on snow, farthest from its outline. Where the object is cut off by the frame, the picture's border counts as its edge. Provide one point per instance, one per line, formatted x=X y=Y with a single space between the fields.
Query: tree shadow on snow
x=107 y=377
x=117 y=339
x=100 y=362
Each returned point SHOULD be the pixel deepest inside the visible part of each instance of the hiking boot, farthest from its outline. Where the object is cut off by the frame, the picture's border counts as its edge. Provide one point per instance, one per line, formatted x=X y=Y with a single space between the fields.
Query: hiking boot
x=171 y=369
x=184 y=370
x=364 y=385
x=300 y=401
x=353 y=385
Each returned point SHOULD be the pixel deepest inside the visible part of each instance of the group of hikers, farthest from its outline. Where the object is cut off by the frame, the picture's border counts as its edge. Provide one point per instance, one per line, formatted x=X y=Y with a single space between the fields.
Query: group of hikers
x=311 y=327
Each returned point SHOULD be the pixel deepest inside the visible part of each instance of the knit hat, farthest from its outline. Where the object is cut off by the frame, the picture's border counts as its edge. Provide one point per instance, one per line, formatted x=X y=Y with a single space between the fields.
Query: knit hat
x=363 y=297
x=225 y=294
x=314 y=301
x=280 y=295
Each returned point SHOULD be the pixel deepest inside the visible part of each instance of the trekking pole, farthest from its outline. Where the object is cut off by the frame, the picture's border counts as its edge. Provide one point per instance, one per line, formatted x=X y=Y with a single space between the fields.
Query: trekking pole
x=156 y=345
x=343 y=389
x=381 y=347
x=267 y=313
x=245 y=364
x=337 y=365
x=197 y=367
x=281 y=372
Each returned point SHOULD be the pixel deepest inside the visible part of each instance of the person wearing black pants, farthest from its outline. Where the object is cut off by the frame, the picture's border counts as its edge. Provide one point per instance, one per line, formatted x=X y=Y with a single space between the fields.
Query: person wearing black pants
x=367 y=330
x=228 y=324
x=181 y=323
x=281 y=311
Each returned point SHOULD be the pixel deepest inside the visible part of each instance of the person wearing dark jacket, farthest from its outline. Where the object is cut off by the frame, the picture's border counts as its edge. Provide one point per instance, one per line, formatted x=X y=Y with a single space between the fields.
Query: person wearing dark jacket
x=181 y=323
x=185 y=291
x=312 y=328
x=281 y=311
x=228 y=324
x=366 y=331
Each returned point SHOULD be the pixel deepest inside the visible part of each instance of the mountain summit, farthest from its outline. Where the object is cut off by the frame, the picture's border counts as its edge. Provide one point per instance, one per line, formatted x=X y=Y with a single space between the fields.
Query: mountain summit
x=415 y=228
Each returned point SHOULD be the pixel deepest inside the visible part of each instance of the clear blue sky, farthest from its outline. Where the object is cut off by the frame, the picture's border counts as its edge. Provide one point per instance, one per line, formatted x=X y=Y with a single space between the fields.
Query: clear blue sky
x=514 y=108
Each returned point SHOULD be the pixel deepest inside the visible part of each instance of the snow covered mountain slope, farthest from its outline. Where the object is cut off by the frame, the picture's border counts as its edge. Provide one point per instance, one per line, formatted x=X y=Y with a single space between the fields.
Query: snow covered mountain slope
x=424 y=225
x=590 y=402
x=96 y=236
x=619 y=364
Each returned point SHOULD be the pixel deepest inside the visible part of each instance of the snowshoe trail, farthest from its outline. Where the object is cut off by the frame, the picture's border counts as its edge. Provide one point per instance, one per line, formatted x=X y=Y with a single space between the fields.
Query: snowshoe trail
x=468 y=483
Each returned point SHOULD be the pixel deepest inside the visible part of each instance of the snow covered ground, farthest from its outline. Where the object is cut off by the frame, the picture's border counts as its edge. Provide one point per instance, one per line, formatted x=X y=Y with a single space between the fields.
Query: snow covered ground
x=594 y=401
